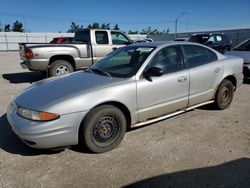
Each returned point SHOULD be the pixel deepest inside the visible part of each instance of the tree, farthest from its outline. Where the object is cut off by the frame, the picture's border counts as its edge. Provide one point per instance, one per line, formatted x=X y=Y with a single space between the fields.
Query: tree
x=73 y=27
x=95 y=25
x=1 y=29
x=150 y=31
x=17 y=26
x=132 y=32
x=116 y=27
x=7 y=28
x=105 y=26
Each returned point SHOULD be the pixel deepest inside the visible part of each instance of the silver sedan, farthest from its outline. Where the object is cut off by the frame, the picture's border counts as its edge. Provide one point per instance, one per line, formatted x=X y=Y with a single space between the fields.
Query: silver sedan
x=133 y=86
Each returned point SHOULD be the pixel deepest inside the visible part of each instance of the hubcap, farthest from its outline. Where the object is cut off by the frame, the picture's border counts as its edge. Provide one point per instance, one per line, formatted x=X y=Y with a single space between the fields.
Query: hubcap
x=106 y=129
x=62 y=70
x=225 y=95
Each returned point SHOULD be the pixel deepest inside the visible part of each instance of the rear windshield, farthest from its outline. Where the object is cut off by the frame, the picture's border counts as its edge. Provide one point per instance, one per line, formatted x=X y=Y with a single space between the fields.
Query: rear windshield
x=82 y=36
x=202 y=39
x=53 y=41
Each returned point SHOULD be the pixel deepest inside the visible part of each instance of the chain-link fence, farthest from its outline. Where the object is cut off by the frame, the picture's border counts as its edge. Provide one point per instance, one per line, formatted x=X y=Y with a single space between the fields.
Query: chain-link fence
x=9 y=40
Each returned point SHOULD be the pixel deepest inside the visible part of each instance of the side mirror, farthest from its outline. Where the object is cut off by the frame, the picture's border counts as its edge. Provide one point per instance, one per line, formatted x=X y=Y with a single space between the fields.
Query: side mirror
x=153 y=71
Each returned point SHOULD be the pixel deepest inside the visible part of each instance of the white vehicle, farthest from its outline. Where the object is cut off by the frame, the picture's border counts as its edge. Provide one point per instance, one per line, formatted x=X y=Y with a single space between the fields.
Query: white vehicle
x=243 y=50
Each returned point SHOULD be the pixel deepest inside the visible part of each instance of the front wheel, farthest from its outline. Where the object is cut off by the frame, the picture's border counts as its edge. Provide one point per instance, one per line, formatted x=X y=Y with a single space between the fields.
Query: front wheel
x=224 y=95
x=103 y=129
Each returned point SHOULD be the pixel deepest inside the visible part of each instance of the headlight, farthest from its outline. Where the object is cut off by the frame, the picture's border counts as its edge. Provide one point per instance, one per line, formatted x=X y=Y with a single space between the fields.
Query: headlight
x=36 y=115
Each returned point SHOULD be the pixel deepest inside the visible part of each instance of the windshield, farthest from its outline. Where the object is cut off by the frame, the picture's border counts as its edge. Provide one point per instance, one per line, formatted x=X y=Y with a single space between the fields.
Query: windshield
x=124 y=62
x=245 y=46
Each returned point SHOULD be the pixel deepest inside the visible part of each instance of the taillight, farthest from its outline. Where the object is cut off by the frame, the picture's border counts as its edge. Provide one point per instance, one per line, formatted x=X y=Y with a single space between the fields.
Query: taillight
x=28 y=54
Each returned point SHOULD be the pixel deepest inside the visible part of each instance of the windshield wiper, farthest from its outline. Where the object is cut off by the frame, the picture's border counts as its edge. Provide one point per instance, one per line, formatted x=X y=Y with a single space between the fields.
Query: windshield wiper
x=98 y=71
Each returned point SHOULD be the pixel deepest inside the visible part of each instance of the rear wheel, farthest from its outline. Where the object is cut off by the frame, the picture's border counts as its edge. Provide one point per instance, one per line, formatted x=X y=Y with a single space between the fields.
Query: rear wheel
x=60 y=67
x=224 y=95
x=103 y=129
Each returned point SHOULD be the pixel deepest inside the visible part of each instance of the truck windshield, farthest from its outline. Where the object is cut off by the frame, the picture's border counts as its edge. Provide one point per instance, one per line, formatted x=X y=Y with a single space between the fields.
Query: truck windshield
x=124 y=62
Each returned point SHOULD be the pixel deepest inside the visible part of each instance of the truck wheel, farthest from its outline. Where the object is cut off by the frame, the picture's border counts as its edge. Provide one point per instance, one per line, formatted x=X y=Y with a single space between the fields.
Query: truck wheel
x=103 y=129
x=60 y=67
x=224 y=95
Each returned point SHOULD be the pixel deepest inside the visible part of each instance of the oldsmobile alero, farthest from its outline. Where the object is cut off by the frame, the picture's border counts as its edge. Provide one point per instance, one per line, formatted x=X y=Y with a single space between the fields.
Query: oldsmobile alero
x=133 y=86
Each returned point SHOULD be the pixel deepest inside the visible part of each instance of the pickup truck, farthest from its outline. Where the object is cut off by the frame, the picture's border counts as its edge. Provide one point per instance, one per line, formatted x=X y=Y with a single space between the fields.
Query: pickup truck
x=89 y=46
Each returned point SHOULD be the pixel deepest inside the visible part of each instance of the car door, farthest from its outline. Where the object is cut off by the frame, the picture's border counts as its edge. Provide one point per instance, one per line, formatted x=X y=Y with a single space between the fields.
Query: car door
x=205 y=72
x=157 y=96
x=101 y=45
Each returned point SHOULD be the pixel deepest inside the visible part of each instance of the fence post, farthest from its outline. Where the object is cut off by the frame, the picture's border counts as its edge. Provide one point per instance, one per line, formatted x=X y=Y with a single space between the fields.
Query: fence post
x=46 y=39
x=27 y=39
x=7 y=46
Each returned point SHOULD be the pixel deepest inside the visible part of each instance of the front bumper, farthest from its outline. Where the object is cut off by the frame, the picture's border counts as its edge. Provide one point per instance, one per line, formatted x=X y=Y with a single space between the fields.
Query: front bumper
x=49 y=134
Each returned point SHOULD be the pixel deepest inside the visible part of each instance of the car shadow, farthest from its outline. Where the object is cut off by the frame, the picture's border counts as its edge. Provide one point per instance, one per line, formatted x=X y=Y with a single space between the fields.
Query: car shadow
x=23 y=77
x=10 y=143
x=210 y=107
x=231 y=174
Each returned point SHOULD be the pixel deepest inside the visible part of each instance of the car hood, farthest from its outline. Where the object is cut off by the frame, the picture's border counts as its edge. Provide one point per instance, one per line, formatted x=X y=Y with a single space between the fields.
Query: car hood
x=46 y=93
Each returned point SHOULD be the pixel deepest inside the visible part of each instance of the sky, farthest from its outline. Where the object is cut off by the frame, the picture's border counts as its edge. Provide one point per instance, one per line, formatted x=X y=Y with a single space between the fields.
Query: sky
x=195 y=15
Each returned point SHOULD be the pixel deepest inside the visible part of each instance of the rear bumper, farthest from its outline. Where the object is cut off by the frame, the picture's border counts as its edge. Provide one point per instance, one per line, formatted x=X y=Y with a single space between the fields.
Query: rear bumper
x=35 y=64
x=23 y=65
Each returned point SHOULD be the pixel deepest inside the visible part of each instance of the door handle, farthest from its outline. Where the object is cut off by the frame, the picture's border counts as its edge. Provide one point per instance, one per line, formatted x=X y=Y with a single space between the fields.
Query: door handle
x=114 y=49
x=217 y=70
x=182 y=79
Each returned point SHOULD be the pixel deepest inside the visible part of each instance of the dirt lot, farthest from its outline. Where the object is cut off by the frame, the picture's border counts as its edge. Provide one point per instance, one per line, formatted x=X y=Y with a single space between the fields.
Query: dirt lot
x=201 y=148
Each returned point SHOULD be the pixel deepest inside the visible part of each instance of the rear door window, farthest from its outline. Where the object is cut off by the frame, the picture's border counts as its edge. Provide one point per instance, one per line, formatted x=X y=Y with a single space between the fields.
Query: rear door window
x=101 y=37
x=197 y=55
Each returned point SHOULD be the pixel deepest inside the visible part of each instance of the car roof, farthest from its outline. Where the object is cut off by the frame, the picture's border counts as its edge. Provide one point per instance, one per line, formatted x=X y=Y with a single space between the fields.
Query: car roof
x=159 y=44
x=200 y=34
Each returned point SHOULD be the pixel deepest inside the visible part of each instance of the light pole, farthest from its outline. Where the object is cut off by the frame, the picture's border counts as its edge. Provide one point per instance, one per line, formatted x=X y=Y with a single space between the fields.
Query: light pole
x=176 y=20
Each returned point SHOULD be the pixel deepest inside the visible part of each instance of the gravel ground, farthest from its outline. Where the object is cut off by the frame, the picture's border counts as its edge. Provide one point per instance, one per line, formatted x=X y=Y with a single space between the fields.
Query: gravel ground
x=201 y=148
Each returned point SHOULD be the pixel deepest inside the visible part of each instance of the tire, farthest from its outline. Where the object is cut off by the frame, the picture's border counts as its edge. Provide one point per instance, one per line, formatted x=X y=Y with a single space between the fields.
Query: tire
x=224 y=95
x=60 y=67
x=103 y=129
